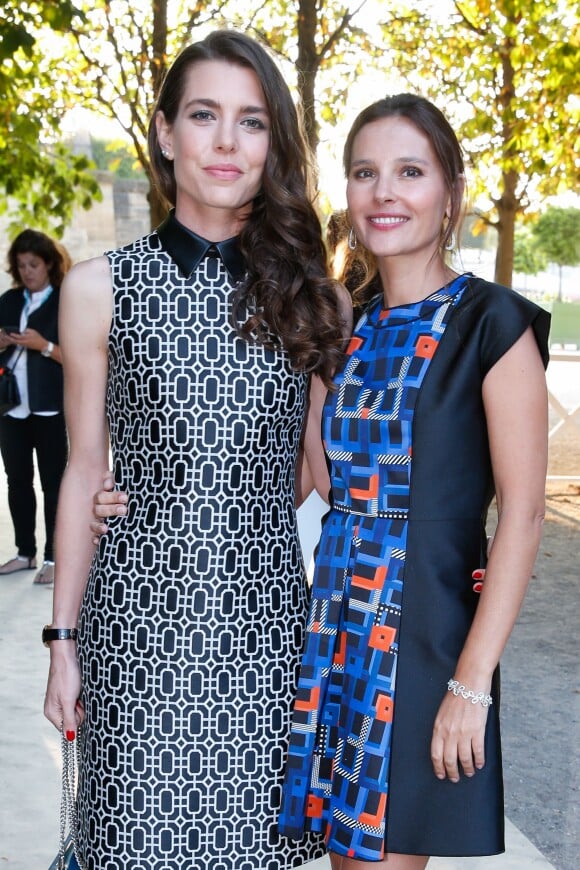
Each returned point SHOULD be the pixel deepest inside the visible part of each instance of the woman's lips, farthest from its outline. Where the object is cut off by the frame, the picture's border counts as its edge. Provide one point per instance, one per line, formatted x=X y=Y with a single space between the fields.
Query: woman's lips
x=226 y=171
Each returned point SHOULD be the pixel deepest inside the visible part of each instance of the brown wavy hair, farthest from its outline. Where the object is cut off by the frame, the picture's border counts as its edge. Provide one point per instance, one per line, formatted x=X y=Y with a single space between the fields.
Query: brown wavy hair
x=287 y=298
x=55 y=256
x=433 y=123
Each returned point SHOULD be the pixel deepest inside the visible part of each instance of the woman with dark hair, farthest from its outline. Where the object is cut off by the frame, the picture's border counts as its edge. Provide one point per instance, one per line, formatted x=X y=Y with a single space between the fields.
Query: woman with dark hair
x=35 y=427
x=440 y=404
x=192 y=349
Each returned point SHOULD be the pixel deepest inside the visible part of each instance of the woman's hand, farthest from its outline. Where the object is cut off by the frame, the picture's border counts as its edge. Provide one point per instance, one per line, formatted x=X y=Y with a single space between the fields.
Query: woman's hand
x=108 y=502
x=6 y=339
x=458 y=737
x=61 y=704
x=30 y=339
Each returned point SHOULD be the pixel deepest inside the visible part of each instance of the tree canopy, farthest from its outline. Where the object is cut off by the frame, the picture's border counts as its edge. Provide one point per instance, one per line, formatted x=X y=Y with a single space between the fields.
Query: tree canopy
x=123 y=51
x=42 y=180
x=529 y=259
x=557 y=234
x=504 y=71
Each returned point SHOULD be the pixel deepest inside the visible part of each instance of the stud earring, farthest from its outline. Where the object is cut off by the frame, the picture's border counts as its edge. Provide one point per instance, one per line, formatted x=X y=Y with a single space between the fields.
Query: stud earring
x=165 y=153
x=352 y=239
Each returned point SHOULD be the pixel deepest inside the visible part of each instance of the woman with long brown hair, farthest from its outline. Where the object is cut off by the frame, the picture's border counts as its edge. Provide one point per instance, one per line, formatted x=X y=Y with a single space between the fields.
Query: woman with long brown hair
x=193 y=349
x=440 y=404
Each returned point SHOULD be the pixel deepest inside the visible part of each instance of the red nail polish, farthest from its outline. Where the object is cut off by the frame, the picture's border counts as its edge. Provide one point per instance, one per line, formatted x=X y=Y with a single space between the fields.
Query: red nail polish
x=477 y=587
x=70 y=736
x=478 y=574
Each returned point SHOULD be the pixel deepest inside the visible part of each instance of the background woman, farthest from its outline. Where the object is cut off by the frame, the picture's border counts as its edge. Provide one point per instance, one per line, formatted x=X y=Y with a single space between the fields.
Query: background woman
x=195 y=343
x=395 y=747
x=29 y=344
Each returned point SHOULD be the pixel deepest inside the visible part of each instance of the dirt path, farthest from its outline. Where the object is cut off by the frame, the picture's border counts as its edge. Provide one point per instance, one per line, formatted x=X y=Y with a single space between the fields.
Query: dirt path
x=541 y=676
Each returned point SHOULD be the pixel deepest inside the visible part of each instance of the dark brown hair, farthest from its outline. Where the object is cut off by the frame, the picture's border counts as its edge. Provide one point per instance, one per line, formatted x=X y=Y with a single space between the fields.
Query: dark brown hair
x=433 y=123
x=34 y=242
x=291 y=298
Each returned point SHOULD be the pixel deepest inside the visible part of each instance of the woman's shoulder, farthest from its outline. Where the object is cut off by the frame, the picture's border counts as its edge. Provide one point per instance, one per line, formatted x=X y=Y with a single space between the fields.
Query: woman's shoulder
x=93 y=269
x=87 y=280
x=490 y=293
x=11 y=293
x=504 y=314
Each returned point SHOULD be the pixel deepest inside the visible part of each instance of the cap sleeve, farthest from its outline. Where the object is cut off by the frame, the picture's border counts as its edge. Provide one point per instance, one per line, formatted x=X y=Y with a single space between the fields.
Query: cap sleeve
x=505 y=317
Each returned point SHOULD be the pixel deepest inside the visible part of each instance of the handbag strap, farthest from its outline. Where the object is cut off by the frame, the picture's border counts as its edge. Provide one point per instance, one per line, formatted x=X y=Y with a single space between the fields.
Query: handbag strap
x=13 y=366
x=71 y=751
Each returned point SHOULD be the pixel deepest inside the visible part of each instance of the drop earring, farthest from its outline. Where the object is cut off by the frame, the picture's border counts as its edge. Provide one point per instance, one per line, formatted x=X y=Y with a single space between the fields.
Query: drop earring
x=451 y=242
x=352 y=239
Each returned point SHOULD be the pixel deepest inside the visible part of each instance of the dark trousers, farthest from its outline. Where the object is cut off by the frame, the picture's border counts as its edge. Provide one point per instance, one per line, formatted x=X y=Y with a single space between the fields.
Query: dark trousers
x=19 y=440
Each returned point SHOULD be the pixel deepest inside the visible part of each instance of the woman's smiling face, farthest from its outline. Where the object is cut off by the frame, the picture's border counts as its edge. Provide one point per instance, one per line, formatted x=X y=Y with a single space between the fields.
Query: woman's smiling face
x=396 y=192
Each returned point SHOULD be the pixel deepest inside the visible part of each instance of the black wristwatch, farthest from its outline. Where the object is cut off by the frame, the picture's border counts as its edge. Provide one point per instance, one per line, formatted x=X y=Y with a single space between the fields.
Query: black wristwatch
x=49 y=634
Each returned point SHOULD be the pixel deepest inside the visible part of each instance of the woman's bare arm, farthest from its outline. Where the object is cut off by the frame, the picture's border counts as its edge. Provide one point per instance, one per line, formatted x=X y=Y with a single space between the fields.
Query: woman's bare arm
x=515 y=399
x=84 y=322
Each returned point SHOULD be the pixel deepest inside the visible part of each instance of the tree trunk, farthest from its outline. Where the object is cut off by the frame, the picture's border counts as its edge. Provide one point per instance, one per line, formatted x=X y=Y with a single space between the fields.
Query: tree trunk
x=507 y=205
x=507 y=208
x=159 y=44
x=157 y=208
x=307 y=68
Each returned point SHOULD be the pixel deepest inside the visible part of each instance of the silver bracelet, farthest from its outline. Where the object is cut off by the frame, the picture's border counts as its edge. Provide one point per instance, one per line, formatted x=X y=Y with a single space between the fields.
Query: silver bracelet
x=475 y=697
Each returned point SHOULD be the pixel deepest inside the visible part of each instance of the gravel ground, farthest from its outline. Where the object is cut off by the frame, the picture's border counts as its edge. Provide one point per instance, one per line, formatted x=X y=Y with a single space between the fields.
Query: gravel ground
x=540 y=677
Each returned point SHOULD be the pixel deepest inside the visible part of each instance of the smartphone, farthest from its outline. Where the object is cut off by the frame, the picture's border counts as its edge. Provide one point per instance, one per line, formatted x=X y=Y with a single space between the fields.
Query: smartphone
x=11 y=330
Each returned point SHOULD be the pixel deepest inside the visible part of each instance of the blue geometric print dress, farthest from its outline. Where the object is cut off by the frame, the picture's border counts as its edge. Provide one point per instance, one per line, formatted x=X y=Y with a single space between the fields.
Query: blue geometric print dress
x=337 y=779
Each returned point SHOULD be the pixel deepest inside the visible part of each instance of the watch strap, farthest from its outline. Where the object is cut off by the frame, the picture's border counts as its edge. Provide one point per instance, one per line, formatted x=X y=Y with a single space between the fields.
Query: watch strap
x=49 y=634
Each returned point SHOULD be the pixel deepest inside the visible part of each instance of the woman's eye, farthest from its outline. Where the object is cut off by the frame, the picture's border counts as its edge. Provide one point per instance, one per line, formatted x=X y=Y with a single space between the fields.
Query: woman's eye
x=411 y=172
x=202 y=115
x=254 y=123
x=364 y=173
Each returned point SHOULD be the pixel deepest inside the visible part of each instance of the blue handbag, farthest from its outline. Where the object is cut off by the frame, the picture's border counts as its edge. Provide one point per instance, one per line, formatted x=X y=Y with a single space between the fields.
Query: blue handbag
x=66 y=860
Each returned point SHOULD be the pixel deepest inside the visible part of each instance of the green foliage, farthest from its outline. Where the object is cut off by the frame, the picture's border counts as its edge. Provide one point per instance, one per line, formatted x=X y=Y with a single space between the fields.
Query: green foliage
x=19 y=20
x=529 y=258
x=122 y=51
x=557 y=232
x=42 y=180
x=116 y=156
x=505 y=73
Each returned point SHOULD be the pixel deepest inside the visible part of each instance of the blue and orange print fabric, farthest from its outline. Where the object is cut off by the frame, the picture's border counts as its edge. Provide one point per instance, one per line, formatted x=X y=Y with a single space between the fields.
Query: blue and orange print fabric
x=337 y=778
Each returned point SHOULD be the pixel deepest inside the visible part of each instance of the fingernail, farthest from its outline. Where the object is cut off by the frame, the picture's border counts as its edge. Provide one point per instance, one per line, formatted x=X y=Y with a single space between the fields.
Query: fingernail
x=477 y=587
x=70 y=736
x=478 y=574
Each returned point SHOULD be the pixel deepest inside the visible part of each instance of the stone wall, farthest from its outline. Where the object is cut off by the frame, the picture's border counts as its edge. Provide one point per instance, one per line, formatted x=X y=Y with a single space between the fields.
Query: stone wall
x=121 y=216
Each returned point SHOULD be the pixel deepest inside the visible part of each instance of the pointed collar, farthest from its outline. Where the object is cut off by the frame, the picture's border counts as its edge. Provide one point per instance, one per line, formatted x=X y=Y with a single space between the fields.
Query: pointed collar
x=188 y=249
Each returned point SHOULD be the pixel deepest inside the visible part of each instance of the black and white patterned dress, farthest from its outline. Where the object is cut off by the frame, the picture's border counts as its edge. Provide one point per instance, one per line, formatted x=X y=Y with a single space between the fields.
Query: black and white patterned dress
x=193 y=618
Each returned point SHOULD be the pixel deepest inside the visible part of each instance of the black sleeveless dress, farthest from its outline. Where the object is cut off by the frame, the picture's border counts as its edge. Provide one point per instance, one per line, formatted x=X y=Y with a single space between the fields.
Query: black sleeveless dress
x=194 y=614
